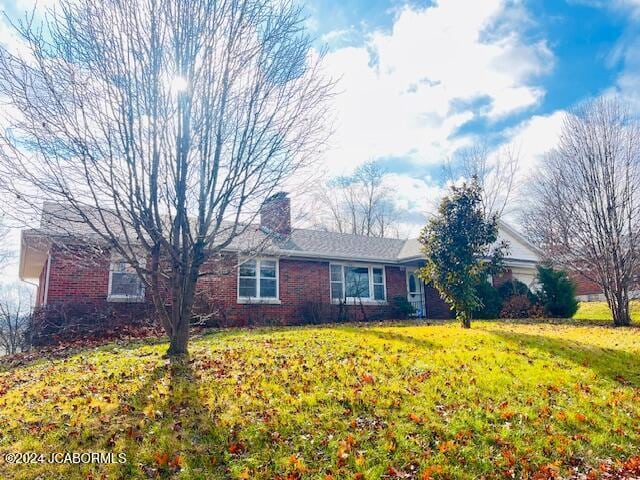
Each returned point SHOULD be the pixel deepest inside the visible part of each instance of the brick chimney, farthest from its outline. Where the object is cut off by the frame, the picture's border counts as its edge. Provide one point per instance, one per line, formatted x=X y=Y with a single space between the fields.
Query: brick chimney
x=275 y=214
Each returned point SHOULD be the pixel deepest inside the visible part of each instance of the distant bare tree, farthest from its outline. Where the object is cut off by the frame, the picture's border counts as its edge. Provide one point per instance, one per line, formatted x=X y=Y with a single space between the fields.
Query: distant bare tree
x=161 y=126
x=15 y=310
x=585 y=200
x=496 y=173
x=360 y=204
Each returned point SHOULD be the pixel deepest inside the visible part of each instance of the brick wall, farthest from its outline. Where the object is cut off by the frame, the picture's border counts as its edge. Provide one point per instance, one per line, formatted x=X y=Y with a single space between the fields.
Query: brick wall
x=79 y=276
x=584 y=286
x=436 y=306
x=505 y=276
x=302 y=282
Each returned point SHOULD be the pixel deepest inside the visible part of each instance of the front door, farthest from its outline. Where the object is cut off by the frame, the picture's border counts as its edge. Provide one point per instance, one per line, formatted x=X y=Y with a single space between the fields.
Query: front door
x=415 y=292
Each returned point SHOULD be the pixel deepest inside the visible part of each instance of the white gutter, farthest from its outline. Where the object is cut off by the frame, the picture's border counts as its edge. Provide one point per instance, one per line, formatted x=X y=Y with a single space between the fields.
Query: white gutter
x=323 y=256
x=22 y=256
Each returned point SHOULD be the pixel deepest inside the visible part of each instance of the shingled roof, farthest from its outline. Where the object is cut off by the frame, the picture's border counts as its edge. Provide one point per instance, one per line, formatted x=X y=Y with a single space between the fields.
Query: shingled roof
x=320 y=244
x=302 y=242
x=343 y=246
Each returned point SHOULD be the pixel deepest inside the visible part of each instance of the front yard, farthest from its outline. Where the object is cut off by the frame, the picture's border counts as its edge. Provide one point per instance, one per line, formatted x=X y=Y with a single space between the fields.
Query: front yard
x=599 y=311
x=407 y=401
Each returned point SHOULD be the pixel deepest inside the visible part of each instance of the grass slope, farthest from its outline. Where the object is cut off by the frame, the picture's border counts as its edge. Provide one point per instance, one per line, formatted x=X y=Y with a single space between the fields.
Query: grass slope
x=600 y=311
x=406 y=401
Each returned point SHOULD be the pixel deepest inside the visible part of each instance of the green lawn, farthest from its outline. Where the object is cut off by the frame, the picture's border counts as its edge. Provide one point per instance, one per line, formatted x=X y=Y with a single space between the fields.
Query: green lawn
x=408 y=401
x=600 y=311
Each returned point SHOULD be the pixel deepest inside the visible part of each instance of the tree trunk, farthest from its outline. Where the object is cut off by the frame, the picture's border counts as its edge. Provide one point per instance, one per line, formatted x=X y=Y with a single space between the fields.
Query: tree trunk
x=183 y=294
x=179 y=340
x=620 y=311
x=618 y=302
x=465 y=319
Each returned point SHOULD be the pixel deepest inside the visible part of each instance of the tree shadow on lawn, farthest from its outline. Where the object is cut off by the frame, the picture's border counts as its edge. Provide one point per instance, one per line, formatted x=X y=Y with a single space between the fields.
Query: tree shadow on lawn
x=392 y=337
x=167 y=425
x=573 y=322
x=618 y=365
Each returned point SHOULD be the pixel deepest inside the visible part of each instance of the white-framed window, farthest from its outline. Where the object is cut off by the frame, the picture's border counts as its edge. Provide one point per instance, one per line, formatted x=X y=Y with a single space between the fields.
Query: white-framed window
x=258 y=280
x=352 y=282
x=124 y=283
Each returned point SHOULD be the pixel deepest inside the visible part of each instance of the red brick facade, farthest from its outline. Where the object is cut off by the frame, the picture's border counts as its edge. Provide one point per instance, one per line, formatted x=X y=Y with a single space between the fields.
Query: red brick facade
x=79 y=277
x=505 y=276
x=435 y=306
x=585 y=286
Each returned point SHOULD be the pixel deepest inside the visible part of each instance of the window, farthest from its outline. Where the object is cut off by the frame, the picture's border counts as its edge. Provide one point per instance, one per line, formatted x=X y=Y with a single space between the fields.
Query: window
x=378 y=284
x=356 y=282
x=337 y=282
x=353 y=282
x=124 y=283
x=412 y=283
x=258 y=279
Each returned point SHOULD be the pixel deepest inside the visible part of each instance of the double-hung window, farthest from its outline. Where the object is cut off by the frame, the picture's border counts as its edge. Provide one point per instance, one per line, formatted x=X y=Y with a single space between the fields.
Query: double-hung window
x=357 y=282
x=258 y=279
x=124 y=283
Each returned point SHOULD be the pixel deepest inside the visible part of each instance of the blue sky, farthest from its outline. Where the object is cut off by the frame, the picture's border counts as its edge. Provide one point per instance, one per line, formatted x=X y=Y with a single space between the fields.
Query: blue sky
x=490 y=71
x=419 y=80
x=584 y=38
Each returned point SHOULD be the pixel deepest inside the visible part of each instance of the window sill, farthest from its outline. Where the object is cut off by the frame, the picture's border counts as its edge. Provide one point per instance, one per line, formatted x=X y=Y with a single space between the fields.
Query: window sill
x=264 y=301
x=125 y=299
x=357 y=301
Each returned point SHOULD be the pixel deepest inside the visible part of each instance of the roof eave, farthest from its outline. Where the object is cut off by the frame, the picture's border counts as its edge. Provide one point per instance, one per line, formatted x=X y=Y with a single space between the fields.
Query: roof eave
x=38 y=247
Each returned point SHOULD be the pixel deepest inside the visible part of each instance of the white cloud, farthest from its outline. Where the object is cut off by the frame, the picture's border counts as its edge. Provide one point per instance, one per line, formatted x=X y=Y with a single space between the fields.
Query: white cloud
x=535 y=137
x=398 y=89
x=626 y=52
x=417 y=198
x=8 y=37
x=628 y=80
x=531 y=139
x=625 y=6
x=28 y=5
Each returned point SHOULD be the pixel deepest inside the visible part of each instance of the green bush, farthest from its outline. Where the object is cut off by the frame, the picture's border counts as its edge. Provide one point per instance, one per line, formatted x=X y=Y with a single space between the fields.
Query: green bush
x=514 y=287
x=402 y=308
x=491 y=301
x=557 y=292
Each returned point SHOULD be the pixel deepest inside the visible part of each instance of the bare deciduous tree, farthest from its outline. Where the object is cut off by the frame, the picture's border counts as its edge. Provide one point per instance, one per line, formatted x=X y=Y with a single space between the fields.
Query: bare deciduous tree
x=360 y=204
x=585 y=208
x=496 y=173
x=162 y=126
x=15 y=310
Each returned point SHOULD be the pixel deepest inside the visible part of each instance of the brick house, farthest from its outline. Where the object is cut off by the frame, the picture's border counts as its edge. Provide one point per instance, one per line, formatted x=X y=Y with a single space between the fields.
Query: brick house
x=295 y=274
x=589 y=291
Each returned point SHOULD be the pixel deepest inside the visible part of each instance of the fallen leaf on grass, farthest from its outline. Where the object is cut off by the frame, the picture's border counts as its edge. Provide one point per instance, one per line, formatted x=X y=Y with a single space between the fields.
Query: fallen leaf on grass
x=176 y=462
x=236 y=448
x=162 y=458
x=415 y=418
x=367 y=378
x=447 y=446
x=430 y=471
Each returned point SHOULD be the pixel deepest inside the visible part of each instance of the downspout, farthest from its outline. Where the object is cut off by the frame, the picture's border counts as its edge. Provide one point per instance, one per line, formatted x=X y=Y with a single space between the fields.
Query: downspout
x=46 y=281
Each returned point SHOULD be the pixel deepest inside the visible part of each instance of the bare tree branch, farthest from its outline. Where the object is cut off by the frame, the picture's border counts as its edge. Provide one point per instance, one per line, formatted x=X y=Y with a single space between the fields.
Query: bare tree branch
x=359 y=204
x=161 y=126
x=496 y=173
x=585 y=208
x=15 y=313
